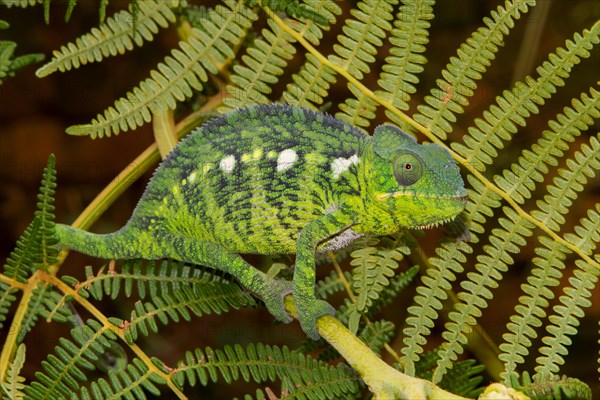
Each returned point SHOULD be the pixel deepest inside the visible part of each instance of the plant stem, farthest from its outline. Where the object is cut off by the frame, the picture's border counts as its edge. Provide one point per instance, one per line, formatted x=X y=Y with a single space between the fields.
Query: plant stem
x=385 y=382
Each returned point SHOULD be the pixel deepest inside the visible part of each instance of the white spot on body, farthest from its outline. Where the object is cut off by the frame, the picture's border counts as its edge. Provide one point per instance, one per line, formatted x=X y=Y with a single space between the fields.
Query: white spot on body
x=286 y=159
x=227 y=164
x=192 y=177
x=341 y=165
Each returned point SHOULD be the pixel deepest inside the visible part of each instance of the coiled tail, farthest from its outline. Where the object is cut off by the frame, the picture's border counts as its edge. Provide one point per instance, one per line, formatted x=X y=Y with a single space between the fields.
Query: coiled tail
x=117 y=245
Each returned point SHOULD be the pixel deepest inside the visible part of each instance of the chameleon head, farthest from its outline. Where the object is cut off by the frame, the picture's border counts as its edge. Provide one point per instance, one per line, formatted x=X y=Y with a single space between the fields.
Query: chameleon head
x=417 y=185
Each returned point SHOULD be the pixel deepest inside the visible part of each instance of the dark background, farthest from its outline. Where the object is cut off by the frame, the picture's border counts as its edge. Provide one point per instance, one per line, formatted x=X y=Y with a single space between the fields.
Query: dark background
x=34 y=114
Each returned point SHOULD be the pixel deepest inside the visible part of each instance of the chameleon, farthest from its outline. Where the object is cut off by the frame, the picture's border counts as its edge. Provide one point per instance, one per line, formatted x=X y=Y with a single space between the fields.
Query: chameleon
x=279 y=179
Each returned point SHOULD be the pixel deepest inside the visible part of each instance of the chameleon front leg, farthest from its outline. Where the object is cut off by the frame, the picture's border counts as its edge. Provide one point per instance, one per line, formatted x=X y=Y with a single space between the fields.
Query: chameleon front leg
x=309 y=307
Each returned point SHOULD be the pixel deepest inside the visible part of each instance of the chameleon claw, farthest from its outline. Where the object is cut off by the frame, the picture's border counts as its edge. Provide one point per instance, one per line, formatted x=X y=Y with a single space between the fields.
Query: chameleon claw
x=309 y=311
x=274 y=300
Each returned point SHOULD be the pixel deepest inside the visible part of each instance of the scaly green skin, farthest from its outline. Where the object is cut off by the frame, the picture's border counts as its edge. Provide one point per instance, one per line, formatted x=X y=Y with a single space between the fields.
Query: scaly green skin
x=280 y=180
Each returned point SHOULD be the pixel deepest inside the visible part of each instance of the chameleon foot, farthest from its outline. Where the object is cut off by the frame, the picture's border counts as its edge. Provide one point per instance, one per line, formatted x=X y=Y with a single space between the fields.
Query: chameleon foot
x=308 y=312
x=273 y=299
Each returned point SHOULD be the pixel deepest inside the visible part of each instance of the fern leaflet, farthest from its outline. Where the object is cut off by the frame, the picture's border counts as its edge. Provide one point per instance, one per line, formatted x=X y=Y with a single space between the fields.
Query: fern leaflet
x=132 y=382
x=490 y=268
x=501 y=120
x=461 y=74
x=264 y=63
x=378 y=334
x=7 y=297
x=555 y=388
x=64 y=372
x=149 y=278
x=549 y=261
x=261 y=363
x=372 y=269
x=423 y=313
x=212 y=297
x=568 y=184
x=115 y=36
x=356 y=49
x=13 y=384
x=180 y=73
x=408 y=38
x=311 y=85
x=566 y=316
x=520 y=179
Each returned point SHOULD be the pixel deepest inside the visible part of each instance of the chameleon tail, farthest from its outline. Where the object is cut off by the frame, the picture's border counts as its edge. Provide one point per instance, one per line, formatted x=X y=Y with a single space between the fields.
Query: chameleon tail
x=116 y=245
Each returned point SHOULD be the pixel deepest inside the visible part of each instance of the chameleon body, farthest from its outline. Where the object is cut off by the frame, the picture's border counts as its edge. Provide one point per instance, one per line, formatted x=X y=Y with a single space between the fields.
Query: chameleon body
x=276 y=179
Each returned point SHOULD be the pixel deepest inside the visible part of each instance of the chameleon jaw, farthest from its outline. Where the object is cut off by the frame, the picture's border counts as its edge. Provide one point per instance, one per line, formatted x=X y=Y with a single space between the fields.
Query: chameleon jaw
x=434 y=224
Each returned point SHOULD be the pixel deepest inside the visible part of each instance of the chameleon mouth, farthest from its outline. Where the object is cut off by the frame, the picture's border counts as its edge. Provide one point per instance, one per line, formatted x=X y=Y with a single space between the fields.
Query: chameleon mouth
x=460 y=195
x=435 y=224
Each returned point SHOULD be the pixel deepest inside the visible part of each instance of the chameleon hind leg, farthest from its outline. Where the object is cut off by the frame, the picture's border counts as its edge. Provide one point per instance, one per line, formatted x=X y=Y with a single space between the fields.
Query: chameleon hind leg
x=270 y=290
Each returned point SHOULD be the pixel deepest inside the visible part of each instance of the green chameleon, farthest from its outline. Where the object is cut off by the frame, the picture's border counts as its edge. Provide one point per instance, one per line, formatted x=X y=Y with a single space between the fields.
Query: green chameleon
x=276 y=179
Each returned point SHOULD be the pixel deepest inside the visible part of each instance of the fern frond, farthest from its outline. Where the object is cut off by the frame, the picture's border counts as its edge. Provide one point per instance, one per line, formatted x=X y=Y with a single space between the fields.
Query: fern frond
x=490 y=268
x=567 y=185
x=372 y=269
x=45 y=302
x=7 y=297
x=520 y=179
x=184 y=71
x=21 y=3
x=311 y=84
x=148 y=278
x=587 y=234
x=64 y=371
x=424 y=312
x=328 y=10
x=36 y=248
x=356 y=50
x=48 y=239
x=396 y=285
x=212 y=297
x=331 y=284
x=130 y=383
x=264 y=63
x=20 y=262
x=261 y=363
x=70 y=6
x=378 y=334
x=9 y=64
x=565 y=320
x=362 y=36
x=293 y=8
x=13 y=384
x=548 y=272
x=463 y=379
x=459 y=79
x=554 y=388
x=116 y=36
x=529 y=312
x=408 y=38
x=500 y=122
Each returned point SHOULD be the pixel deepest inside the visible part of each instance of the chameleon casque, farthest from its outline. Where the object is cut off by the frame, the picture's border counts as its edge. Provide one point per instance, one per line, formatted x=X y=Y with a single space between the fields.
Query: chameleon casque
x=277 y=179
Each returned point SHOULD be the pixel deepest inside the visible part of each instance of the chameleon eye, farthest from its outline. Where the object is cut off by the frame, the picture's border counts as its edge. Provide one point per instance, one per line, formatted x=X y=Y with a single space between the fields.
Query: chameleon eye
x=408 y=169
